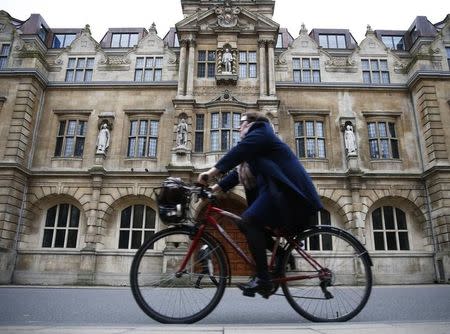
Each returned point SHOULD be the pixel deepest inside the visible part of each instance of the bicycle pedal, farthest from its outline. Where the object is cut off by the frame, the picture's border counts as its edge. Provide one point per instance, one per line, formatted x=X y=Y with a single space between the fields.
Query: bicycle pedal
x=248 y=293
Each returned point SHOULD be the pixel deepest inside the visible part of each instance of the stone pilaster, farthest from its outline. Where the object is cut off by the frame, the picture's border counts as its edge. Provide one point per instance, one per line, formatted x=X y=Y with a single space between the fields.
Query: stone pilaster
x=182 y=68
x=271 y=67
x=190 y=70
x=262 y=68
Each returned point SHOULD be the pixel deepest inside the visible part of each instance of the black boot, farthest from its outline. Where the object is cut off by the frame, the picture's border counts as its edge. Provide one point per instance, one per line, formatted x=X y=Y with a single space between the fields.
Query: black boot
x=256 y=285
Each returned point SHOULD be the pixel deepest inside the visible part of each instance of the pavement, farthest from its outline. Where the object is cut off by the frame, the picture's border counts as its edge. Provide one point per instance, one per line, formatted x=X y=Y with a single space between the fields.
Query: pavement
x=432 y=327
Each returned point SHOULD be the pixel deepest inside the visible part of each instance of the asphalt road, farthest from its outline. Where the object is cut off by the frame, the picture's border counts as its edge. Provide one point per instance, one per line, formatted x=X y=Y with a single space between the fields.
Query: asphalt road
x=100 y=306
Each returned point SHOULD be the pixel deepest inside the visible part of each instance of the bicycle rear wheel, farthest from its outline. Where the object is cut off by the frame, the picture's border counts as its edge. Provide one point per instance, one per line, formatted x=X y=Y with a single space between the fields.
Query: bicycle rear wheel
x=338 y=289
x=168 y=295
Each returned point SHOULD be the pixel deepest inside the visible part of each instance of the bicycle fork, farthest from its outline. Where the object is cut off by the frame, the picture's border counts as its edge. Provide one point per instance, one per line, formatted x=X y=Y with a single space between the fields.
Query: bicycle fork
x=203 y=258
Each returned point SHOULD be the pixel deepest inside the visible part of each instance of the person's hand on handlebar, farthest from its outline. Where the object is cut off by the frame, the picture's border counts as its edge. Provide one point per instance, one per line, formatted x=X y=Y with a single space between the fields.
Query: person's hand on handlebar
x=205 y=177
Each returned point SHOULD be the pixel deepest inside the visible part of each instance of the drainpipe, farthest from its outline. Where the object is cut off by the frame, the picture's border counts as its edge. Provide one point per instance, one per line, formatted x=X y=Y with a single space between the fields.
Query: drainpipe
x=427 y=193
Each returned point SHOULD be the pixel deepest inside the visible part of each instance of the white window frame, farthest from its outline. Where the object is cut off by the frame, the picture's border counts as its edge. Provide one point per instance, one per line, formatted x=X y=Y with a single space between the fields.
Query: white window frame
x=55 y=228
x=374 y=71
x=132 y=229
x=395 y=230
x=148 y=69
x=306 y=69
x=79 y=69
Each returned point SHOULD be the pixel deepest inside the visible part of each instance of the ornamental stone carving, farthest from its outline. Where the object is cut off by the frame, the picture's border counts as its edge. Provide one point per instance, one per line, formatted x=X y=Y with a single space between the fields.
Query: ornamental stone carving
x=227 y=17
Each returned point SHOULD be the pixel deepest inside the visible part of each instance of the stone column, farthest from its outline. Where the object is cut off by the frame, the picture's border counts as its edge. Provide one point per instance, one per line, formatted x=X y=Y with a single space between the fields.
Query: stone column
x=271 y=67
x=182 y=68
x=262 y=68
x=190 y=70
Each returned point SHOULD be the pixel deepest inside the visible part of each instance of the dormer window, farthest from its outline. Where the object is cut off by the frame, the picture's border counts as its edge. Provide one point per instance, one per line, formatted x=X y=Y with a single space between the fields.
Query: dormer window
x=62 y=40
x=124 y=40
x=42 y=33
x=394 y=42
x=332 y=41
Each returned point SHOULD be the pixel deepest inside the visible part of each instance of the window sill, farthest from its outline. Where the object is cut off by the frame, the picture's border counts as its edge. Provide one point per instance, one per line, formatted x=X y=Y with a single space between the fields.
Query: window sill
x=67 y=162
x=386 y=164
x=314 y=163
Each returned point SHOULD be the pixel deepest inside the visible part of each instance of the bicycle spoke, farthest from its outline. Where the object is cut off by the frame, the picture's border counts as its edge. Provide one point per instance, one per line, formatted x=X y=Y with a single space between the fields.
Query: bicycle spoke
x=342 y=285
x=178 y=297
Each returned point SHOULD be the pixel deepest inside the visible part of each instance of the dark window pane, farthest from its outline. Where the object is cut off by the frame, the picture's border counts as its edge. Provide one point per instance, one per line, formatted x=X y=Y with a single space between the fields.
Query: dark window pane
x=201 y=70
x=72 y=239
x=136 y=239
x=211 y=70
x=59 y=239
x=394 y=147
x=48 y=237
x=325 y=217
x=301 y=148
x=58 y=147
x=401 y=219
x=389 y=217
x=200 y=122
x=123 y=239
x=199 y=142
x=62 y=217
x=376 y=219
x=62 y=128
x=225 y=140
x=379 y=240
x=148 y=235
x=391 y=241
x=51 y=215
x=314 y=243
x=79 y=147
x=74 y=217
x=327 y=243
x=138 y=216
x=149 y=217
x=403 y=239
x=125 y=218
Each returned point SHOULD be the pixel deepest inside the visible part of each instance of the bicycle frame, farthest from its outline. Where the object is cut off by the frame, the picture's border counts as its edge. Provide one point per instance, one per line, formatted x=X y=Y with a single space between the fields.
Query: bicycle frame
x=210 y=220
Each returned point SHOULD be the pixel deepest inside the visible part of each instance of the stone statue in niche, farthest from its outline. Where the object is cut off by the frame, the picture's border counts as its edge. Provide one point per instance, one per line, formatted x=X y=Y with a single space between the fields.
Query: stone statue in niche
x=182 y=132
x=227 y=61
x=103 y=139
x=350 y=139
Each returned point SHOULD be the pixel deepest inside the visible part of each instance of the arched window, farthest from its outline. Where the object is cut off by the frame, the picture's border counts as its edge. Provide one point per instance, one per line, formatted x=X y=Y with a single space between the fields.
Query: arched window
x=61 y=227
x=322 y=242
x=137 y=224
x=390 y=230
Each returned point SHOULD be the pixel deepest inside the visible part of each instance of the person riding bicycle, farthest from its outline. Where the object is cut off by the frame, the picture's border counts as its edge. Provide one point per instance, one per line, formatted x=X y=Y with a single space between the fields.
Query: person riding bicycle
x=280 y=193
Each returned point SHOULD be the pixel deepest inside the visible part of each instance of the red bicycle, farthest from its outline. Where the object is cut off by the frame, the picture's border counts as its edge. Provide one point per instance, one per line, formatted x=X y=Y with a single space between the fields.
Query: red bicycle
x=179 y=275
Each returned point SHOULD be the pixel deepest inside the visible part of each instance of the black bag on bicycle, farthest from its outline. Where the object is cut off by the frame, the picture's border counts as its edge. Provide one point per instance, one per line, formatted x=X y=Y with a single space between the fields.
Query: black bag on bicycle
x=172 y=199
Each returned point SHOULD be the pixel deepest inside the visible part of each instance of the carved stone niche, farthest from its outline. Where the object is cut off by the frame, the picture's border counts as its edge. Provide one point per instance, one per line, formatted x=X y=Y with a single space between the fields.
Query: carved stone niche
x=106 y=117
x=226 y=75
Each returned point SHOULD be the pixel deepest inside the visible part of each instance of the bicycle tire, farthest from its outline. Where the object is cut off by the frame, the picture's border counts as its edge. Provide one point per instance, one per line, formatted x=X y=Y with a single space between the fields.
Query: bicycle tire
x=349 y=283
x=177 y=298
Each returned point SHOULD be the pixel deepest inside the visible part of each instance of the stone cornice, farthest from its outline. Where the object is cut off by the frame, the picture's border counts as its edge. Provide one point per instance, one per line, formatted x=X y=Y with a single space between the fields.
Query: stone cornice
x=340 y=85
x=433 y=75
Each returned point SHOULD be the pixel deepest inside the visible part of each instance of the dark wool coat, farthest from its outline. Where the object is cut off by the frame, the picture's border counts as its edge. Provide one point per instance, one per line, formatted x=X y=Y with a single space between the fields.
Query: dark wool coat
x=285 y=195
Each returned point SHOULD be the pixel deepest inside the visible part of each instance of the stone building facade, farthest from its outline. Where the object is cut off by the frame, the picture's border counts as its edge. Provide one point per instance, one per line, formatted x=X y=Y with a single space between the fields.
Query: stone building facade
x=369 y=121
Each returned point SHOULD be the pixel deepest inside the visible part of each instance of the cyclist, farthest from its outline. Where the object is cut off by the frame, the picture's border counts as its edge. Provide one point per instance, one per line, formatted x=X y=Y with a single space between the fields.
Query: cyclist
x=279 y=191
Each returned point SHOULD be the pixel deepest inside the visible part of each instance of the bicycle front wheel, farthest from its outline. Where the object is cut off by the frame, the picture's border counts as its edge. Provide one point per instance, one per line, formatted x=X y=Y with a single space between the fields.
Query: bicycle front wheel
x=333 y=278
x=170 y=295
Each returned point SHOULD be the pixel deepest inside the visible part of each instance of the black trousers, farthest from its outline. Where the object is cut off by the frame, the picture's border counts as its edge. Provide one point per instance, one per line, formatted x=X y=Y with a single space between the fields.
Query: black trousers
x=258 y=239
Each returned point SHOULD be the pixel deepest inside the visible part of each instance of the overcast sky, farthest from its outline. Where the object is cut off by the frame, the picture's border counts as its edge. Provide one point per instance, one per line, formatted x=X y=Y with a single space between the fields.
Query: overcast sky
x=344 y=14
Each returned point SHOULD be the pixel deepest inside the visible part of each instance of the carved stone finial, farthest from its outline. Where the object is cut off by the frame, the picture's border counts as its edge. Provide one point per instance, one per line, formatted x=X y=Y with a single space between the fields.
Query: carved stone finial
x=369 y=30
x=303 y=30
x=153 y=28
x=87 y=29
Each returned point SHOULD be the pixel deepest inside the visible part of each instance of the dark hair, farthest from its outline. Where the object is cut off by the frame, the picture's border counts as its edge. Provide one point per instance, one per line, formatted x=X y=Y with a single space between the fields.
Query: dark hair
x=254 y=116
